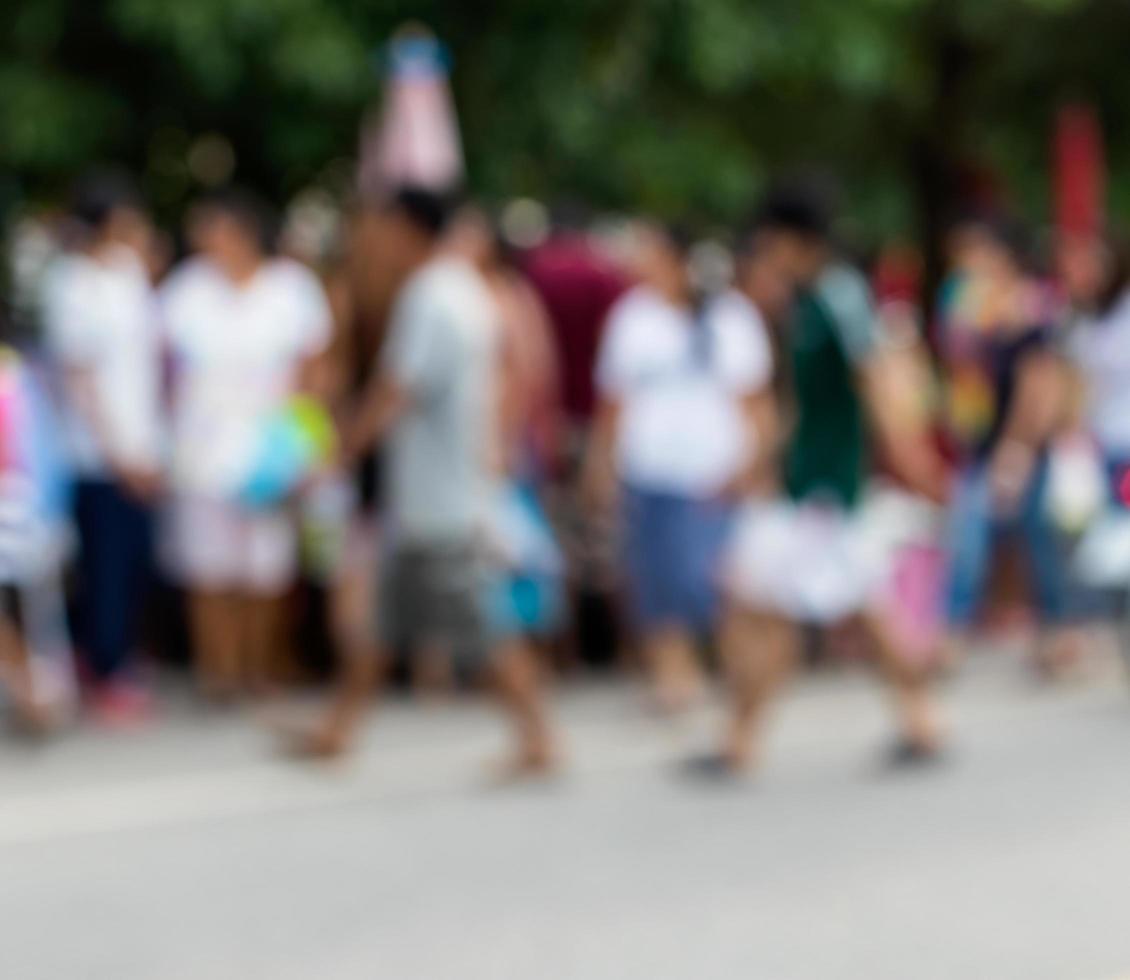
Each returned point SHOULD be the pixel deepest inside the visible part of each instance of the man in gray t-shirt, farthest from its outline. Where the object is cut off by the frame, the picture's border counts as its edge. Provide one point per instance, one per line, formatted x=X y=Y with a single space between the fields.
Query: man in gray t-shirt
x=440 y=350
x=439 y=359
x=432 y=402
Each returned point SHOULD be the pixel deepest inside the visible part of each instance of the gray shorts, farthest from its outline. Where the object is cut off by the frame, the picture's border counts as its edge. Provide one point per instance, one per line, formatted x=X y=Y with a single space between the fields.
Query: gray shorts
x=434 y=595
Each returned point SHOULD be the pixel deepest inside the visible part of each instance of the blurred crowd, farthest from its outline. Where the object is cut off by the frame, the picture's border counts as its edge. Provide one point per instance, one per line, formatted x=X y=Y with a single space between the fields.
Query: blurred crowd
x=500 y=445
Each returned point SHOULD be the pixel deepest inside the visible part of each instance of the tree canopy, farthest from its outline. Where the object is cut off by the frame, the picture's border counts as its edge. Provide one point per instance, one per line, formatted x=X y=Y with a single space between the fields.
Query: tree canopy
x=673 y=106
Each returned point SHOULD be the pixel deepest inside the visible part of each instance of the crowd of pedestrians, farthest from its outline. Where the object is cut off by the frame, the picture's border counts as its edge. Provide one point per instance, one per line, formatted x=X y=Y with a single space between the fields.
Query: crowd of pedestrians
x=477 y=448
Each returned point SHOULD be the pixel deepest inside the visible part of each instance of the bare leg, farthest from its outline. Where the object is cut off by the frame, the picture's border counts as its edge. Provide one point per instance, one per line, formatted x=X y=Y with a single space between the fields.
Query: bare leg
x=1060 y=650
x=362 y=670
x=351 y=610
x=953 y=650
x=910 y=688
x=432 y=675
x=16 y=679
x=262 y=618
x=676 y=676
x=217 y=640
x=759 y=652
x=516 y=675
x=336 y=732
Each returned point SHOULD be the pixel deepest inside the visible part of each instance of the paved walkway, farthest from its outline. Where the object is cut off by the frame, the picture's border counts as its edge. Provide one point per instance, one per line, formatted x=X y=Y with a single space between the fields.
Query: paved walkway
x=193 y=852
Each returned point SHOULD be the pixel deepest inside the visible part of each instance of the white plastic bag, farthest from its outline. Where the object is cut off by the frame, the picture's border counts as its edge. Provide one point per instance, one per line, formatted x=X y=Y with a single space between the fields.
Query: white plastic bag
x=1077 y=490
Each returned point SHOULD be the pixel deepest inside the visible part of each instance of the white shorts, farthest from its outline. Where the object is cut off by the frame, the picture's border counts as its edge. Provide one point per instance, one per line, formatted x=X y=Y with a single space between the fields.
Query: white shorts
x=806 y=562
x=218 y=545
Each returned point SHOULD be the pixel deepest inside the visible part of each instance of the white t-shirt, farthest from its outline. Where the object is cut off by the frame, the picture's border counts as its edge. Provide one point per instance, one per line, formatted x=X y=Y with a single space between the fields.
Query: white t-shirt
x=1102 y=348
x=100 y=318
x=442 y=345
x=681 y=427
x=236 y=352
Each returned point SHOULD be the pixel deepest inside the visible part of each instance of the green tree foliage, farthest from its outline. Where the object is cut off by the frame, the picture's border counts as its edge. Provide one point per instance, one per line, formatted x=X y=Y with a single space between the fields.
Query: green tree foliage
x=674 y=106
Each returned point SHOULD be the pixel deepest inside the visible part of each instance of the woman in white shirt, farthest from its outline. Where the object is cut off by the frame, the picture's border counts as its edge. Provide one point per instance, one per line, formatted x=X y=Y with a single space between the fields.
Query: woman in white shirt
x=1096 y=276
x=102 y=336
x=242 y=329
x=679 y=377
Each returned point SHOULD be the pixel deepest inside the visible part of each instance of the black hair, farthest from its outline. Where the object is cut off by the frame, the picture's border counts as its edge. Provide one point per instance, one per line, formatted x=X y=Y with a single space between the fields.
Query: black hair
x=801 y=207
x=1117 y=279
x=1004 y=230
x=427 y=210
x=505 y=252
x=1012 y=235
x=98 y=194
x=568 y=214
x=966 y=216
x=680 y=235
x=257 y=219
x=751 y=239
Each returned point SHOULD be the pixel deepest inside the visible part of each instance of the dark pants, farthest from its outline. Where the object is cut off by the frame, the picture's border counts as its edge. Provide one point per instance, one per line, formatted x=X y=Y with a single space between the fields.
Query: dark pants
x=115 y=563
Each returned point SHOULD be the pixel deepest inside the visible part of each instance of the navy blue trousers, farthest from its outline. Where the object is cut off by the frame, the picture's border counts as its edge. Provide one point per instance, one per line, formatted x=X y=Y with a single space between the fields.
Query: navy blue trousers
x=115 y=572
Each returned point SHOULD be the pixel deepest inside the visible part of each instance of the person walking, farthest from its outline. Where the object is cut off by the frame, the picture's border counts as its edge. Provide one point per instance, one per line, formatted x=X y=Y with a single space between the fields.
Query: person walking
x=1007 y=398
x=806 y=559
x=433 y=403
x=679 y=375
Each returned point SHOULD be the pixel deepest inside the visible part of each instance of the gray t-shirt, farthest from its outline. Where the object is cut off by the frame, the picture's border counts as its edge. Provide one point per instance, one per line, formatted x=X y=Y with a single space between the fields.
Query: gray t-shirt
x=441 y=347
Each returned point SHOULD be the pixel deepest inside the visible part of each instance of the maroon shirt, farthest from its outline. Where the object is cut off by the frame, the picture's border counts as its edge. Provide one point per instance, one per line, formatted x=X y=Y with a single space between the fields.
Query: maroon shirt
x=578 y=286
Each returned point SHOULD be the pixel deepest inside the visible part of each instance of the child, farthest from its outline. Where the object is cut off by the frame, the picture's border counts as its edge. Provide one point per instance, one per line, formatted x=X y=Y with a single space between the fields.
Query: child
x=907 y=522
x=36 y=667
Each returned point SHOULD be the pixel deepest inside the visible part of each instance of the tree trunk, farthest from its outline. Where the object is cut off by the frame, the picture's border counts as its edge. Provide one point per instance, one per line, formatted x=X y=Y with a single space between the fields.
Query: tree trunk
x=937 y=158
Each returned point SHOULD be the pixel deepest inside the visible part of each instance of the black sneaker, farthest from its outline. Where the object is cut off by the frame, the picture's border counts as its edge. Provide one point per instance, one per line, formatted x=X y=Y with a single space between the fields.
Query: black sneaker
x=713 y=767
x=909 y=754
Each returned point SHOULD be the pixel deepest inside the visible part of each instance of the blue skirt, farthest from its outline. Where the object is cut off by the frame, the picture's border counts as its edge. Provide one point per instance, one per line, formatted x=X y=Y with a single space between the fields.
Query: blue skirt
x=673 y=545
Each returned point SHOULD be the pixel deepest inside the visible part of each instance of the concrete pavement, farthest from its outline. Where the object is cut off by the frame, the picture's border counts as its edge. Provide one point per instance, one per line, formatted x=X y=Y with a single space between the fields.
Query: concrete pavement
x=193 y=852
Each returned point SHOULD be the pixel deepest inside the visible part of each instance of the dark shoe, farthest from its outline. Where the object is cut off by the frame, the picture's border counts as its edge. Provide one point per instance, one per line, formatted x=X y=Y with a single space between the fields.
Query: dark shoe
x=909 y=754
x=714 y=767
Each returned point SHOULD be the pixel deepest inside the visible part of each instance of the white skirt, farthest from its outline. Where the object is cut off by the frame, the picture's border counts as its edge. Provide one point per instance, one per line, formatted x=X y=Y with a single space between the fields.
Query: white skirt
x=816 y=563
